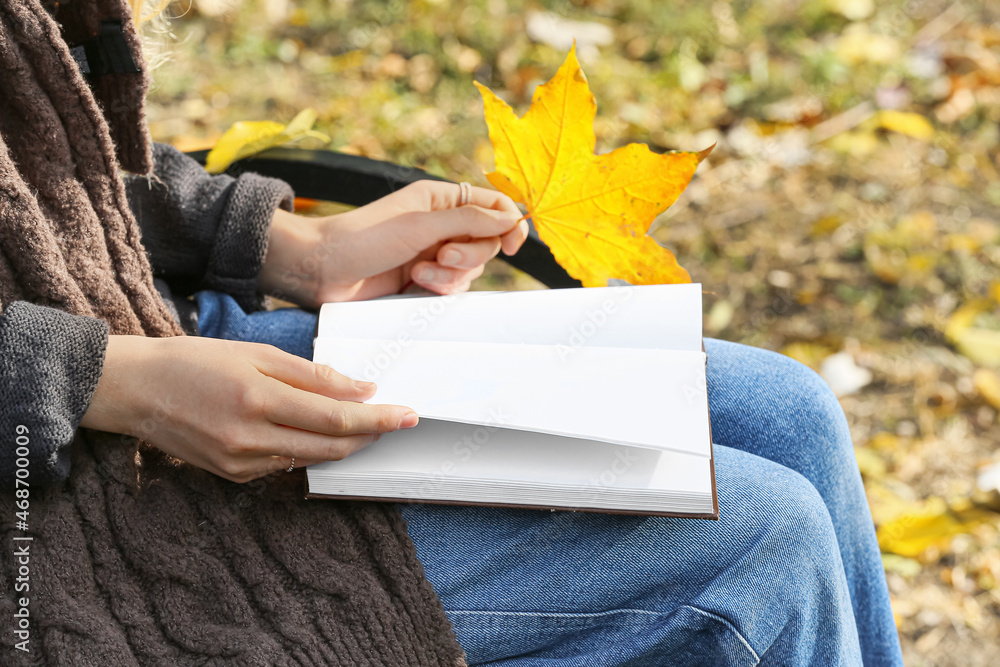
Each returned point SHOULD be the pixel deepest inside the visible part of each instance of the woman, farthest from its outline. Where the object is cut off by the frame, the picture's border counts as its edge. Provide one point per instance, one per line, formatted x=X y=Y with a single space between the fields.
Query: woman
x=154 y=552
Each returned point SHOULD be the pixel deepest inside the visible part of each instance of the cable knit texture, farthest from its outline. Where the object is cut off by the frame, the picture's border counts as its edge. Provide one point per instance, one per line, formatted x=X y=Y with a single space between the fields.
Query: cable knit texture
x=121 y=95
x=204 y=231
x=137 y=558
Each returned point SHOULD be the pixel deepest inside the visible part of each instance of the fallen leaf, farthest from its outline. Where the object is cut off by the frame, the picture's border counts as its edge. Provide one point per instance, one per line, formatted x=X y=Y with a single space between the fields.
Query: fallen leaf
x=856 y=143
x=345 y=62
x=883 y=440
x=888 y=266
x=843 y=375
x=826 y=225
x=905 y=251
x=987 y=383
x=857 y=44
x=871 y=465
x=961 y=103
x=912 y=230
x=187 y=143
x=246 y=138
x=904 y=567
x=719 y=316
x=912 y=534
x=810 y=354
x=904 y=122
x=886 y=503
x=593 y=211
x=979 y=344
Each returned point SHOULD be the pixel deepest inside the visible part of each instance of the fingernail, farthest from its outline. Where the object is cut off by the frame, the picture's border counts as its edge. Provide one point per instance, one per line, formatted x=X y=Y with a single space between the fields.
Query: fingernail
x=410 y=420
x=451 y=257
x=361 y=385
x=425 y=275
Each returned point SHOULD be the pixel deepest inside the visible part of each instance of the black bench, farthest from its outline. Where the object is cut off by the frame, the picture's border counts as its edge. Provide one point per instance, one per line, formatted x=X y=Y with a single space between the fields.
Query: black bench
x=355 y=180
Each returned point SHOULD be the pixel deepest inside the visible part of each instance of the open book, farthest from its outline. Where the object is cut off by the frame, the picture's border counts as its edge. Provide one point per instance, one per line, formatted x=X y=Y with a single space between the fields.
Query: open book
x=587 y=399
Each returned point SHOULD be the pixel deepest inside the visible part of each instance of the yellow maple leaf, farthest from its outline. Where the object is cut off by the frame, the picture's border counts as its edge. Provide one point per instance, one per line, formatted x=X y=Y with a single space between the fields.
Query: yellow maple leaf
x=905 y=122
x=981 y=345
x=593 y=211
x=913 y=533
x=246 y=138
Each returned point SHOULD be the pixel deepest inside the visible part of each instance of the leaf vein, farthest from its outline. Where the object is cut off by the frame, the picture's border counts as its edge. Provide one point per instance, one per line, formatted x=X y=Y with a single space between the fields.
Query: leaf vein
x=598 y=195
x=555 y=157
x=625 y=245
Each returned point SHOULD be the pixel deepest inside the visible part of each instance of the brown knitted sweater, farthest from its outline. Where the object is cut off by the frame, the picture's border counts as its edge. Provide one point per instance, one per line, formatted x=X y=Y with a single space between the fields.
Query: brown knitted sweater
x=137 y=559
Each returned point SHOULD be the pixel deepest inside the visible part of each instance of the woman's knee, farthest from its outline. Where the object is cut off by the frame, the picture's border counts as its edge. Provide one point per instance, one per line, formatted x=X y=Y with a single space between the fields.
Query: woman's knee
x=783 y=581
x=786 y=384
x=773 y=506
x=774 y=406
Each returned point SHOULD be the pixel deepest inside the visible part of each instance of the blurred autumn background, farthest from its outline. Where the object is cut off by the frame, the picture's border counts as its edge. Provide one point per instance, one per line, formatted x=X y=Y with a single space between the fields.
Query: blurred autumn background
x=849 y=216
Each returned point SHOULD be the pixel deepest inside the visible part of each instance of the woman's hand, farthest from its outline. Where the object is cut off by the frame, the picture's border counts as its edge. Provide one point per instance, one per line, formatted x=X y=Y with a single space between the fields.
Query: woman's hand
x=419 y=234
x=239 y=410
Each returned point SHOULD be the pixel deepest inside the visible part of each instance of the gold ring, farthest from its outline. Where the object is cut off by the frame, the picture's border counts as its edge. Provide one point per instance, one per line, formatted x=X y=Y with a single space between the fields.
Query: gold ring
x=465 y=193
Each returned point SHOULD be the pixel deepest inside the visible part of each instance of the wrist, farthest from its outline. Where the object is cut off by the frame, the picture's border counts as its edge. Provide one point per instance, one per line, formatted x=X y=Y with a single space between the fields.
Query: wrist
x=115 y=403
x=287 y=272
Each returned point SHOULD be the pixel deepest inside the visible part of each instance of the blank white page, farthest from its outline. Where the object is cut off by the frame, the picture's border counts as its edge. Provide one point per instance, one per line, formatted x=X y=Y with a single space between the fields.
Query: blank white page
x=640 y=397
x=648 y=316
x=437 y=452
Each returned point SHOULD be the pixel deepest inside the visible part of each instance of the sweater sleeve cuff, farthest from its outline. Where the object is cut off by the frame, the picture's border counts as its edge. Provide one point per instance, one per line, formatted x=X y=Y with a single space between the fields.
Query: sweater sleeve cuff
x=241 y=241
x=50 y=363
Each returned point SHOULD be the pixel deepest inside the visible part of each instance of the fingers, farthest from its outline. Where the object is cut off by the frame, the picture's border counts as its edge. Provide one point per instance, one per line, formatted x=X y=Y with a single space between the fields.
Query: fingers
x=487 y=198
x=282 y=463
x=512 y=241
x=465 y=221
x=488 y=214
x=316 y=378
x=468 y=254
x=308 y=448
x=441 y=196
x=319 y=414
x=262 y=467
x=312 y=429
x=491 y=199
x=443 y=279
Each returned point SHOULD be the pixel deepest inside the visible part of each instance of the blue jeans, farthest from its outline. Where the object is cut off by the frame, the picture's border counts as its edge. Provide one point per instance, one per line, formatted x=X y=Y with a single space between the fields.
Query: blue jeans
x=789 y=575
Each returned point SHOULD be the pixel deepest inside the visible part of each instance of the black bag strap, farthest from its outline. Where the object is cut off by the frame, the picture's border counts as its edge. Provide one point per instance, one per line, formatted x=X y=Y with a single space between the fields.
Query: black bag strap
x=107 y=53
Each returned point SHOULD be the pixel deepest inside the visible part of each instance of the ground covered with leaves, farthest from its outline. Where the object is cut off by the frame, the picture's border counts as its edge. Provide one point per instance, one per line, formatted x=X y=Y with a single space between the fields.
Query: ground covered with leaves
x=849 y=216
